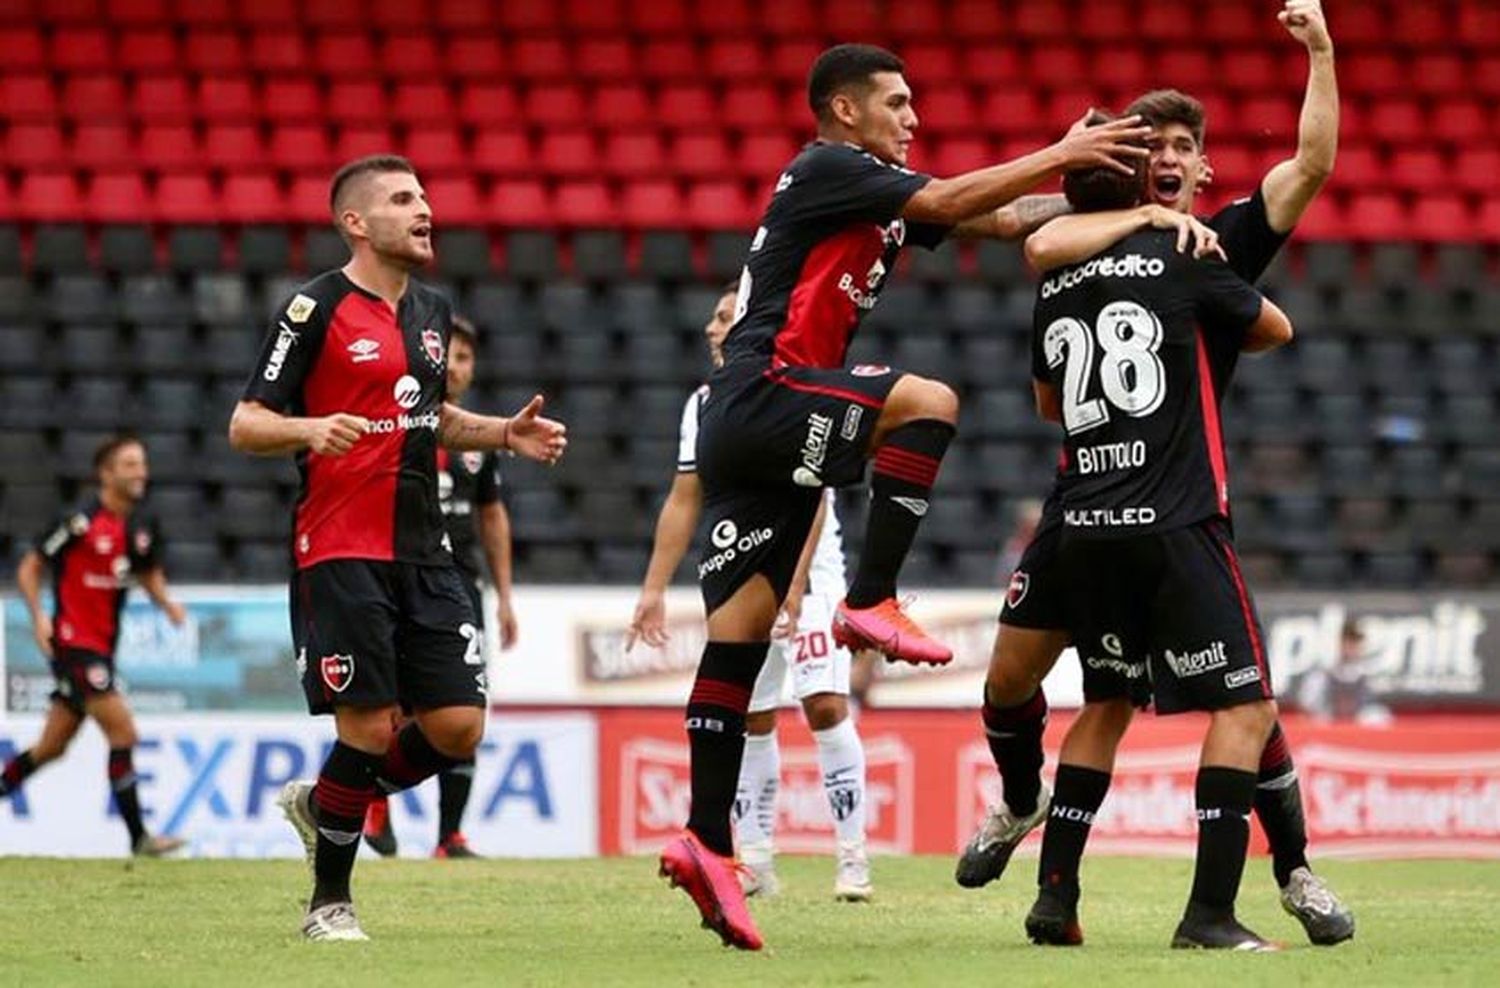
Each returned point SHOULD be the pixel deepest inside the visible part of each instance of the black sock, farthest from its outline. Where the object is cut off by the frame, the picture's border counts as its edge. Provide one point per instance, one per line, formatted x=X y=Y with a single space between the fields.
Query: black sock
x=453 y=797
x=716 y=735
x=906 y=465
x=1078 y=792
x=1278 y=803
x=1015 y=738
x=1224 y=797
x=127 y=799
x=410 y=759
x=343 y=793
x=17 y=770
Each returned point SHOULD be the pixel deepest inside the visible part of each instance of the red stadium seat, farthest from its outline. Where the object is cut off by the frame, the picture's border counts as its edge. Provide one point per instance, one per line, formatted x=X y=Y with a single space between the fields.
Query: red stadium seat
x=720 y=205
x=763 y=155
x=595 y=16
x=1421 y=25
x=462 y=16
x=1373 y=73
x=200 y=12
x=1236 y=168
x=307 y=200
x=853 y=19
x=1439 y=74
x=932 y=62
x=1268 y=117
x=265 y=12
x=753 y=107
x=48 y=197
x=528 y=15
x=169 y=147
x=622 y=107
x=724 y=18
x=634 y=154
x=915 y=22
x=138 y=51
x=213 y=52
x=82 y=49
x=148 y=12
x=406 y=56
x=24 y=50
x=738 y=60
x=1416 y=170
x=1479 y=25
x=292 y=98
x=544 y=59
x=455 y=201
x=790 y=20
x=187 y=198
x=520 y=204
x=1062 y=108
x=117 y=197
x=585 y=205
x=945 y=109
x=1057 y=64
x=1363 y=25
x=69 y=11
x=226 y=99
x=606 y=59
x=1162 y=20
x=1397 y=121
x=1109 y=21
x=1477 y=169
x=1359 y=167
x=399 y=17
x=974 y=20
x=652 y=205
x=162 y=98
x=1124 y=69
x=687 y=107
x=437 y=149
x=791 y=59
x=485 y=104
x=470 y=57
x=359 y=140
x=35 y=146
x=1457 y=120
x=1377 y=216
x=333 y=14
x=1487 y=223
x=961 y=154
x=1246 y=70
x=1486 y=75
x=503 y=152
x=993 y=65
x=232 y=145
x=252 y=197
x=671 y=60
x=554 y=105
x=1010 y=110
x=571 y=153
x=1044 y=19
x=1442 y=219
x=357 y=101
x=345 y=55
x=90 y=97
x=275 y=50
x=422 y=102
x=1323 y=220
x=658 y=17
x=298 y=147
x=701 y=154
x=102 y=146
x=1189 y=69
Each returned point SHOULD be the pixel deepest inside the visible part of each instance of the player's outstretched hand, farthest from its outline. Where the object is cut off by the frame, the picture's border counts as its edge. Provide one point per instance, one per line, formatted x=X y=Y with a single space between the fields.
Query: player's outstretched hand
x=176 y=613
x=789 y=618
x=1118 y=144
x=1190 y=230
x=1304 y=21
x=42 y=632
x=508 y=626
x=534 y=437
x=649 y=623
x=335 y=435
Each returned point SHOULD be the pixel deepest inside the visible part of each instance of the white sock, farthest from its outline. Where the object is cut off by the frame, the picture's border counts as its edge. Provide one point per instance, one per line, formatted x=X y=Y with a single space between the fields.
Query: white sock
x=755 y=799
x=842 y=758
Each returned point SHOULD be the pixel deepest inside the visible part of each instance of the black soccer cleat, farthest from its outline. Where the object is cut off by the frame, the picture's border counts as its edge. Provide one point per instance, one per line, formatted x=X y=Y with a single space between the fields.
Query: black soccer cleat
x=1053 y=920
x=1325 y=918
x=1204 y=929
x=1001 y=832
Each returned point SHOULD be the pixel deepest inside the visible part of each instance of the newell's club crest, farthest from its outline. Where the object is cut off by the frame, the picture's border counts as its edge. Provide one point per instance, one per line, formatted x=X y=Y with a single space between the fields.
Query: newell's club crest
x=337 y=671
x=1020 y=582
x=432 y=345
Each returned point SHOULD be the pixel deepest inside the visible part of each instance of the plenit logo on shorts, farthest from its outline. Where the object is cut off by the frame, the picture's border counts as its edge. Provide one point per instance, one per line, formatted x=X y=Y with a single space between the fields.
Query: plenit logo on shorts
x=1187 y=664
x=337 y=671
x=814 y=451
x=407 y=391
x=731 y=544
x=1129 y=266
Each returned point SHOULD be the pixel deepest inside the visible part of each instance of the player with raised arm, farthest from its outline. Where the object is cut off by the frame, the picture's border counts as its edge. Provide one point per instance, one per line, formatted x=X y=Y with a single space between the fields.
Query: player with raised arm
x=94 y=552
x=802 y=647
x=1031 y=635
x=469 y=489
x=783 y=418
x=352 y=381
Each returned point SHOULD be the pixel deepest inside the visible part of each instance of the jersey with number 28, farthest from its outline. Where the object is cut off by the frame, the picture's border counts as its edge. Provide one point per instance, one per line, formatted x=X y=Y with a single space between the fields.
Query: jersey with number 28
x=1129 y=340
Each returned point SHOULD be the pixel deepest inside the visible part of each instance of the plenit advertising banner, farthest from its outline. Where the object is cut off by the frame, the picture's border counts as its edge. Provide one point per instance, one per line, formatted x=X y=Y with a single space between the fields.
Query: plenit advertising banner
x=1426 y=785
x=214 y=780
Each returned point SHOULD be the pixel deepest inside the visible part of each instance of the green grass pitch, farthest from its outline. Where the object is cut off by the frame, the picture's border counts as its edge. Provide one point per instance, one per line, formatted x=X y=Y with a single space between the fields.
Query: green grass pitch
x=612 y=922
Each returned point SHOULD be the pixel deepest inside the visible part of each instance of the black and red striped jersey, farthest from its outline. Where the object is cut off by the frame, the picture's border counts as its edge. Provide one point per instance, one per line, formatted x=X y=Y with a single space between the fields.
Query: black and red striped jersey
x=338 y=348
x=825 y=246
x=1136 y=342
x=92 y=553
x=467 y=483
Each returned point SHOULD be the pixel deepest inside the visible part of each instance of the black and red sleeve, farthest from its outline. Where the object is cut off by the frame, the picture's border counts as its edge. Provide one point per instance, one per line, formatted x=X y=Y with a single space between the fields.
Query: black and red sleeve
x=290 y=351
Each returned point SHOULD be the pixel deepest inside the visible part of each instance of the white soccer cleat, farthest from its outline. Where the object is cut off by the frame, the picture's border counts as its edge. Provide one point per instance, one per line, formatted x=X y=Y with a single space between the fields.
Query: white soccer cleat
x=989 y=850
x=334 y=921
x=851 y=882
x=295 y=801
x=758 y=876
x=1325 y=918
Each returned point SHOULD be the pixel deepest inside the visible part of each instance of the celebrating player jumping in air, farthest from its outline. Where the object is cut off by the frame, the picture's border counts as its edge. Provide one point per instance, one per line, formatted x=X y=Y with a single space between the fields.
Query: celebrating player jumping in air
x=352 y=380
x=783 y=418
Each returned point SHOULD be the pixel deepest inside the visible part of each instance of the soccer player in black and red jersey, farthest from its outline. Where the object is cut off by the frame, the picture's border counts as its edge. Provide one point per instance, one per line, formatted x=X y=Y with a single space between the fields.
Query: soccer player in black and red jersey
x=1252 y=230
x=783 y=418
x=469 y=487
x=94 y=551
x=1131 y=351
x=352 y=380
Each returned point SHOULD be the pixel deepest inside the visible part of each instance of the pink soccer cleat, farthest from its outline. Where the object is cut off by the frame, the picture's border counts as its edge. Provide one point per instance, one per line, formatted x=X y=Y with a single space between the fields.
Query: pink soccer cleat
x=886 y=628
x=713 y=882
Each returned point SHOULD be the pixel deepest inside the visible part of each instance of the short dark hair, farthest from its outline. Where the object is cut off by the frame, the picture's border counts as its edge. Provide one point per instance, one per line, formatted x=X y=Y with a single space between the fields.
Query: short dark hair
x=1090 y=190
x=105 y=453
x=845 y=67
x=1166 y=106
x=374 y=164
x=465 y=330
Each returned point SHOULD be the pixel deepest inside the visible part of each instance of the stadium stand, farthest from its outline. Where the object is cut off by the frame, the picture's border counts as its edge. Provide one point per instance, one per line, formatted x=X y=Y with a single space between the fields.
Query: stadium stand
x=594 y=165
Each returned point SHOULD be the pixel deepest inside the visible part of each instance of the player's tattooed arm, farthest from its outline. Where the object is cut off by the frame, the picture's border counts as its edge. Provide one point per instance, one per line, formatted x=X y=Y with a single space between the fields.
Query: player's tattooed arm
x=525 y=433
x=1015 y=221
x=263 y=431
x=1291 y=185
x=1070 y=239
x=675 y=526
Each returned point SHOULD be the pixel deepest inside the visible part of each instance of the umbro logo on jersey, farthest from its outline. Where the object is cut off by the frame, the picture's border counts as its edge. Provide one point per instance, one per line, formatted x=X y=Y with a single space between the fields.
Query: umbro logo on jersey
x=363 y=350
x=916 y=505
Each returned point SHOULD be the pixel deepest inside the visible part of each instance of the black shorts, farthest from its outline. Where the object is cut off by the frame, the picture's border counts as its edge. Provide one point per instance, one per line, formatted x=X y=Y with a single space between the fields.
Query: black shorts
x=769 y=441
x=370 y=634
x=80 y=675
x=1179 y=599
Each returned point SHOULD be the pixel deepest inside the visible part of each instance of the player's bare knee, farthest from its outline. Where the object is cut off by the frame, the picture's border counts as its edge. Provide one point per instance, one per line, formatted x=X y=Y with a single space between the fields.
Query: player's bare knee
x=760 y=722
x=916 y=398
x=825 y=710
x=370 y=730
x=455 y=731
x=1253 y=720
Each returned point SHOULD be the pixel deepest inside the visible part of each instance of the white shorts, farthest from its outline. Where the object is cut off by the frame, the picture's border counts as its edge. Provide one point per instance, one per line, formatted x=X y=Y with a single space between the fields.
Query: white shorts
x=817 y=665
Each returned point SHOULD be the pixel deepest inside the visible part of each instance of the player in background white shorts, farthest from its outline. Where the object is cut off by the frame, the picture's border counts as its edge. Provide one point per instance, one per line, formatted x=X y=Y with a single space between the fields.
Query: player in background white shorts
x=803 y=647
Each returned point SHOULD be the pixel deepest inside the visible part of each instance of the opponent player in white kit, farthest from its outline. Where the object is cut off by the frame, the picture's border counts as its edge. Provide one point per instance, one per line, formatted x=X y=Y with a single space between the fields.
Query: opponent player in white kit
x=804 y=647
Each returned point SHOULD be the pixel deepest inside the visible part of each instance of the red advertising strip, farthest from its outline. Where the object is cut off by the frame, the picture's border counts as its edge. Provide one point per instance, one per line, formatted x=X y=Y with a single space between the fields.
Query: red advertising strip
x=1424 y=786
